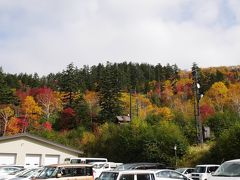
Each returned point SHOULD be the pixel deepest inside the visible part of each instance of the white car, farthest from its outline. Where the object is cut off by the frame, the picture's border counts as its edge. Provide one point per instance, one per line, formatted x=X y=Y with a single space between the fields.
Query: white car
x=128 y=175
x=203 y=172
x=4 y=170
x=29 y=174
x=12 y=174
x=229 y=170
x=186 y=171
x=99 y=167
x=162 y=174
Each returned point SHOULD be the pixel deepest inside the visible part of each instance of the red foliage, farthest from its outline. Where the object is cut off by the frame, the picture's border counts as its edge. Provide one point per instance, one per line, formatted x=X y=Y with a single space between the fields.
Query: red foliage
x=67 y=120
x=21 y=94
x=47 y=125
x=45 y=90
x=22 y=122
x=206 y=111
x=69 y=112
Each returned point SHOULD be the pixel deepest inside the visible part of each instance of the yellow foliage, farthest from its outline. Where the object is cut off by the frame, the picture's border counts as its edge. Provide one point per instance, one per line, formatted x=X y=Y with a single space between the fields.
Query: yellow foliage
x=165 y=112
x=141 y=105
x=31 y=109
x=218 y=95
x=6 y=112
x=87 y=138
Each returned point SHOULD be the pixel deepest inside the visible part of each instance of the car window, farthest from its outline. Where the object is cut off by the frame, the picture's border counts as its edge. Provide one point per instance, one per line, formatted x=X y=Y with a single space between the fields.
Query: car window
x=188 y=171
x=200 y=169
x=143 y=176
x=127 y=177
x=108 y=176
x=212 y=169
x=164 y=174
x=176 y=175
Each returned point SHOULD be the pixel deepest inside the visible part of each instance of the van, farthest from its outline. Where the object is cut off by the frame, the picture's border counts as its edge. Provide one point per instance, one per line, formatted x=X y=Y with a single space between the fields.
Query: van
x=66 y=172
x=203 y=172
x=128 y=175
x=84 y=160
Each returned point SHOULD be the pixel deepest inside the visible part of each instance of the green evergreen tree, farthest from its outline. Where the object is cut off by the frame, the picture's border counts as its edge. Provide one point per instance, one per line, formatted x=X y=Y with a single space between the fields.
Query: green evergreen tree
x=109 y=94
x=6 y=94
x=68 y=83
x=82 y=112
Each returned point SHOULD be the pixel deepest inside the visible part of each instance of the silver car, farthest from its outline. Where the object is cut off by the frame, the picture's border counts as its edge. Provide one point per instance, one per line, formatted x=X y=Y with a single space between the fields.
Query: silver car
x=229 y=170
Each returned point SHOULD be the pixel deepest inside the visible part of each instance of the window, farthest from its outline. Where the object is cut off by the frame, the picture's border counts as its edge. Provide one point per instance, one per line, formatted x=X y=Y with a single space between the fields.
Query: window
x=163 y=174
x=127 y=177
x=176 y=175
x=212 y=169
x=188 y=171
x=143 y=176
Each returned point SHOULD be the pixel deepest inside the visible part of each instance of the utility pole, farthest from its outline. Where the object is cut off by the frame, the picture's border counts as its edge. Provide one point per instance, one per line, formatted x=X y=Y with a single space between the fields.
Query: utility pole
x=130 y=113
x=196 y=87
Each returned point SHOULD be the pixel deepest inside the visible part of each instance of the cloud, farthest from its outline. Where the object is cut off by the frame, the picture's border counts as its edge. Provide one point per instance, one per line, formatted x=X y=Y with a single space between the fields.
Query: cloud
x=45 y=36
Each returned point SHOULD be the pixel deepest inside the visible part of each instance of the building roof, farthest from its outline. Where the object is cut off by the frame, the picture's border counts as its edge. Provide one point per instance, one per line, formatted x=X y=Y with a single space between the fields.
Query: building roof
x=27 y=135
x=123 y=119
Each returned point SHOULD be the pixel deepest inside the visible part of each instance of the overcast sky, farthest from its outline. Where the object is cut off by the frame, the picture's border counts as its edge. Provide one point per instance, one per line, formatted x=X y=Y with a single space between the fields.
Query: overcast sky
x=44 y=36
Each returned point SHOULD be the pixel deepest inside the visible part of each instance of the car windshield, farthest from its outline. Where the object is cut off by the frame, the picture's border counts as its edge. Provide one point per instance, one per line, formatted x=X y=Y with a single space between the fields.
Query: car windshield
x=27 y=174
x=108 y=176
x=123 y=167
x=48 y=172
x=231 y=169
x=98 y=166
x=17 y=172
x=200 y=169
x=181 y=170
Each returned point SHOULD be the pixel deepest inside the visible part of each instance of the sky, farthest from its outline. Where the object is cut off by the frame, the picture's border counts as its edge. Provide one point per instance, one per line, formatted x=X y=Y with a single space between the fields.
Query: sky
x=44 y=36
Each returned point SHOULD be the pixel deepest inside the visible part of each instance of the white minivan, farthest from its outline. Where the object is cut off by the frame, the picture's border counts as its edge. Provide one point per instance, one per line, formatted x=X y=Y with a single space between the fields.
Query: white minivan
x=128 y=175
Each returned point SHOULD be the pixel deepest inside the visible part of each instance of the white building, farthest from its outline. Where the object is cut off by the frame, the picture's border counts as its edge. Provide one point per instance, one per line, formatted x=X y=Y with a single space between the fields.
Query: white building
x=28 y=150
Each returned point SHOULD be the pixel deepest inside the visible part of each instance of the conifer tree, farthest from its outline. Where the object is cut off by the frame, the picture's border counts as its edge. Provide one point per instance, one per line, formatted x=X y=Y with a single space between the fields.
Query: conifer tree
x=109 y=94
x=68 y=83
x=6 y=94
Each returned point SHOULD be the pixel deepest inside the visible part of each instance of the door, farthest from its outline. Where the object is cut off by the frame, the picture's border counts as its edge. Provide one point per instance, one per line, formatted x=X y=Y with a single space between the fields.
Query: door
x=7 y=159
x=51 y=159
x=33 y=160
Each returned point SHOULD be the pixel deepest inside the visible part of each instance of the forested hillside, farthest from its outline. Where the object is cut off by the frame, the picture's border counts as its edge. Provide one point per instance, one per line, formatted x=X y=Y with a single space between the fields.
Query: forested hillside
x=78 y=107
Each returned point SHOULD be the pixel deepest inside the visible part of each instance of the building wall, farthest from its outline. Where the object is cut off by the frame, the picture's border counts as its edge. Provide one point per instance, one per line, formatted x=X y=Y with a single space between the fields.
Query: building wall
x=23 y=146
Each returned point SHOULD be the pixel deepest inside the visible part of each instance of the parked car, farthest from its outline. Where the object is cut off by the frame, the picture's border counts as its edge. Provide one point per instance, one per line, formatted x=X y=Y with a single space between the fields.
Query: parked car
x=4 y=170
x=128 y=175
x=28 y=174
x=229 y=170
x=12 y=174
x=186 y=171
x=203 y=172
x=168 y=174
x=99 y=167
x=66 y=172
x=140 y=166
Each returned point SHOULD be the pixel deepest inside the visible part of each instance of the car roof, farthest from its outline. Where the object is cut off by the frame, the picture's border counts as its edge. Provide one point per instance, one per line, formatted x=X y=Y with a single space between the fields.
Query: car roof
x=233 y=160
x=132 y=165
x=207 y=165
x=137 y=171
x=70 y=165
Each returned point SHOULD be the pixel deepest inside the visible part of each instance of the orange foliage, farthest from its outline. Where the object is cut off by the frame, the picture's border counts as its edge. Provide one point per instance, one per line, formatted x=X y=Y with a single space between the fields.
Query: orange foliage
x=14 y=126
